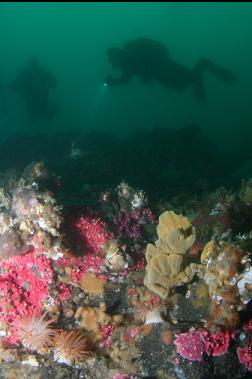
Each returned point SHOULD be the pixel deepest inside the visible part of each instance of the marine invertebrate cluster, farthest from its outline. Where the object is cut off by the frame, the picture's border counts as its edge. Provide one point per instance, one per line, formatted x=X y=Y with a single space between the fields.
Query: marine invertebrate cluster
x=91 y=284
x=129 y=198
x=129 y=225
x=115 y=257
x=94 y=319
x=29 y=218
x=246 y=192
x=164 y=259
x=226 y=274
x=34 y=285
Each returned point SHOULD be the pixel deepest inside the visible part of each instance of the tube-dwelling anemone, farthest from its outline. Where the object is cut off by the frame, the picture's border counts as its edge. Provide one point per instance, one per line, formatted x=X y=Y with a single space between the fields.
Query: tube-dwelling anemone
x=35 y=332
x=70 y=346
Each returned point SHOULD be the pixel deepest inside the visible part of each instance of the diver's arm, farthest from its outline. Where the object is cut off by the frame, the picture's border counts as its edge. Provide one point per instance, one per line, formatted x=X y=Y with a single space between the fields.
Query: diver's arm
x=122 y=80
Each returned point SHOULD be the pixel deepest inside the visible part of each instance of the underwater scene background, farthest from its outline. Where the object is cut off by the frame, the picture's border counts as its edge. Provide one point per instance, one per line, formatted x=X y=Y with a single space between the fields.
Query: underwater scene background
x=125 y=190
x=71 y=41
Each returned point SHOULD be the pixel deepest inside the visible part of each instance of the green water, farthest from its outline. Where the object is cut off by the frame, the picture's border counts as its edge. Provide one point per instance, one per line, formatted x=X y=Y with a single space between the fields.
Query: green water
x=71 y=39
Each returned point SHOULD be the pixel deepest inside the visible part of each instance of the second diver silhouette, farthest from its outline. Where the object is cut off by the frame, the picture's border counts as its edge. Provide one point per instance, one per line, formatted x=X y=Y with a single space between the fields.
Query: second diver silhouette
x=150 y=60
x=33 y=84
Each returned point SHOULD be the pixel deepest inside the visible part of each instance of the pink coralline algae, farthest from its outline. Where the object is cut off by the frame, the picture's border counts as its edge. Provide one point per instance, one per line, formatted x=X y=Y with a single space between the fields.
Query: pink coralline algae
x=24 y=286
x=64 y=294
x=245 y=356
x=107 y=331
x=95 y=264
x=122 y=376
x=130 y=224
x=193 y=345
x=216 y=344
x=90 y=230
x=81 y=265
x=133 y=332
x=190 y=346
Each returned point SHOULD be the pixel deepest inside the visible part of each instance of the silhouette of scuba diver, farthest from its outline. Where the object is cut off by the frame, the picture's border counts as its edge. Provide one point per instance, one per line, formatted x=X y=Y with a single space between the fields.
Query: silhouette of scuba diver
x=33 y=84
x=150 y=60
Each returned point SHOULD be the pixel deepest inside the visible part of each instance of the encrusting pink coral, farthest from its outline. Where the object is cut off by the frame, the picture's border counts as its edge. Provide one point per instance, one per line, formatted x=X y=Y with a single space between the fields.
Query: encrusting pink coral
x=216 y=343
x=25 y=283
x=24 y=286
x=107 y=331
x=193 y=345
x=91 y=263
x=245 y=356
x=190 y=346
x=89 y=230
x=122 y=376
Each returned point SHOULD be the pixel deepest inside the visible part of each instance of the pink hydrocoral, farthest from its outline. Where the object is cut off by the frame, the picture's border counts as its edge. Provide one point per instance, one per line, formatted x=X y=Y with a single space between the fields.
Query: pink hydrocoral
x=107 y=331
x=245 y=356
x=216 y=344
x=24 y=286
x=91 y=231
x=81 y=265
x=190 y=345
x=64 y=294
x=92 y=263
x=122 y=376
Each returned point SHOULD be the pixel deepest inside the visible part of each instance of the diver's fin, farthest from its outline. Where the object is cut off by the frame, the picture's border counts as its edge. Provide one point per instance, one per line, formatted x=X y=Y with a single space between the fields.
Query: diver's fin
x=221 y=73
x=199 y=89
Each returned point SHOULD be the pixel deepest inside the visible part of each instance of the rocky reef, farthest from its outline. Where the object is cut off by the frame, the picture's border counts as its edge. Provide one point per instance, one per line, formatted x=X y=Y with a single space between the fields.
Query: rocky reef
x=123 y=287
